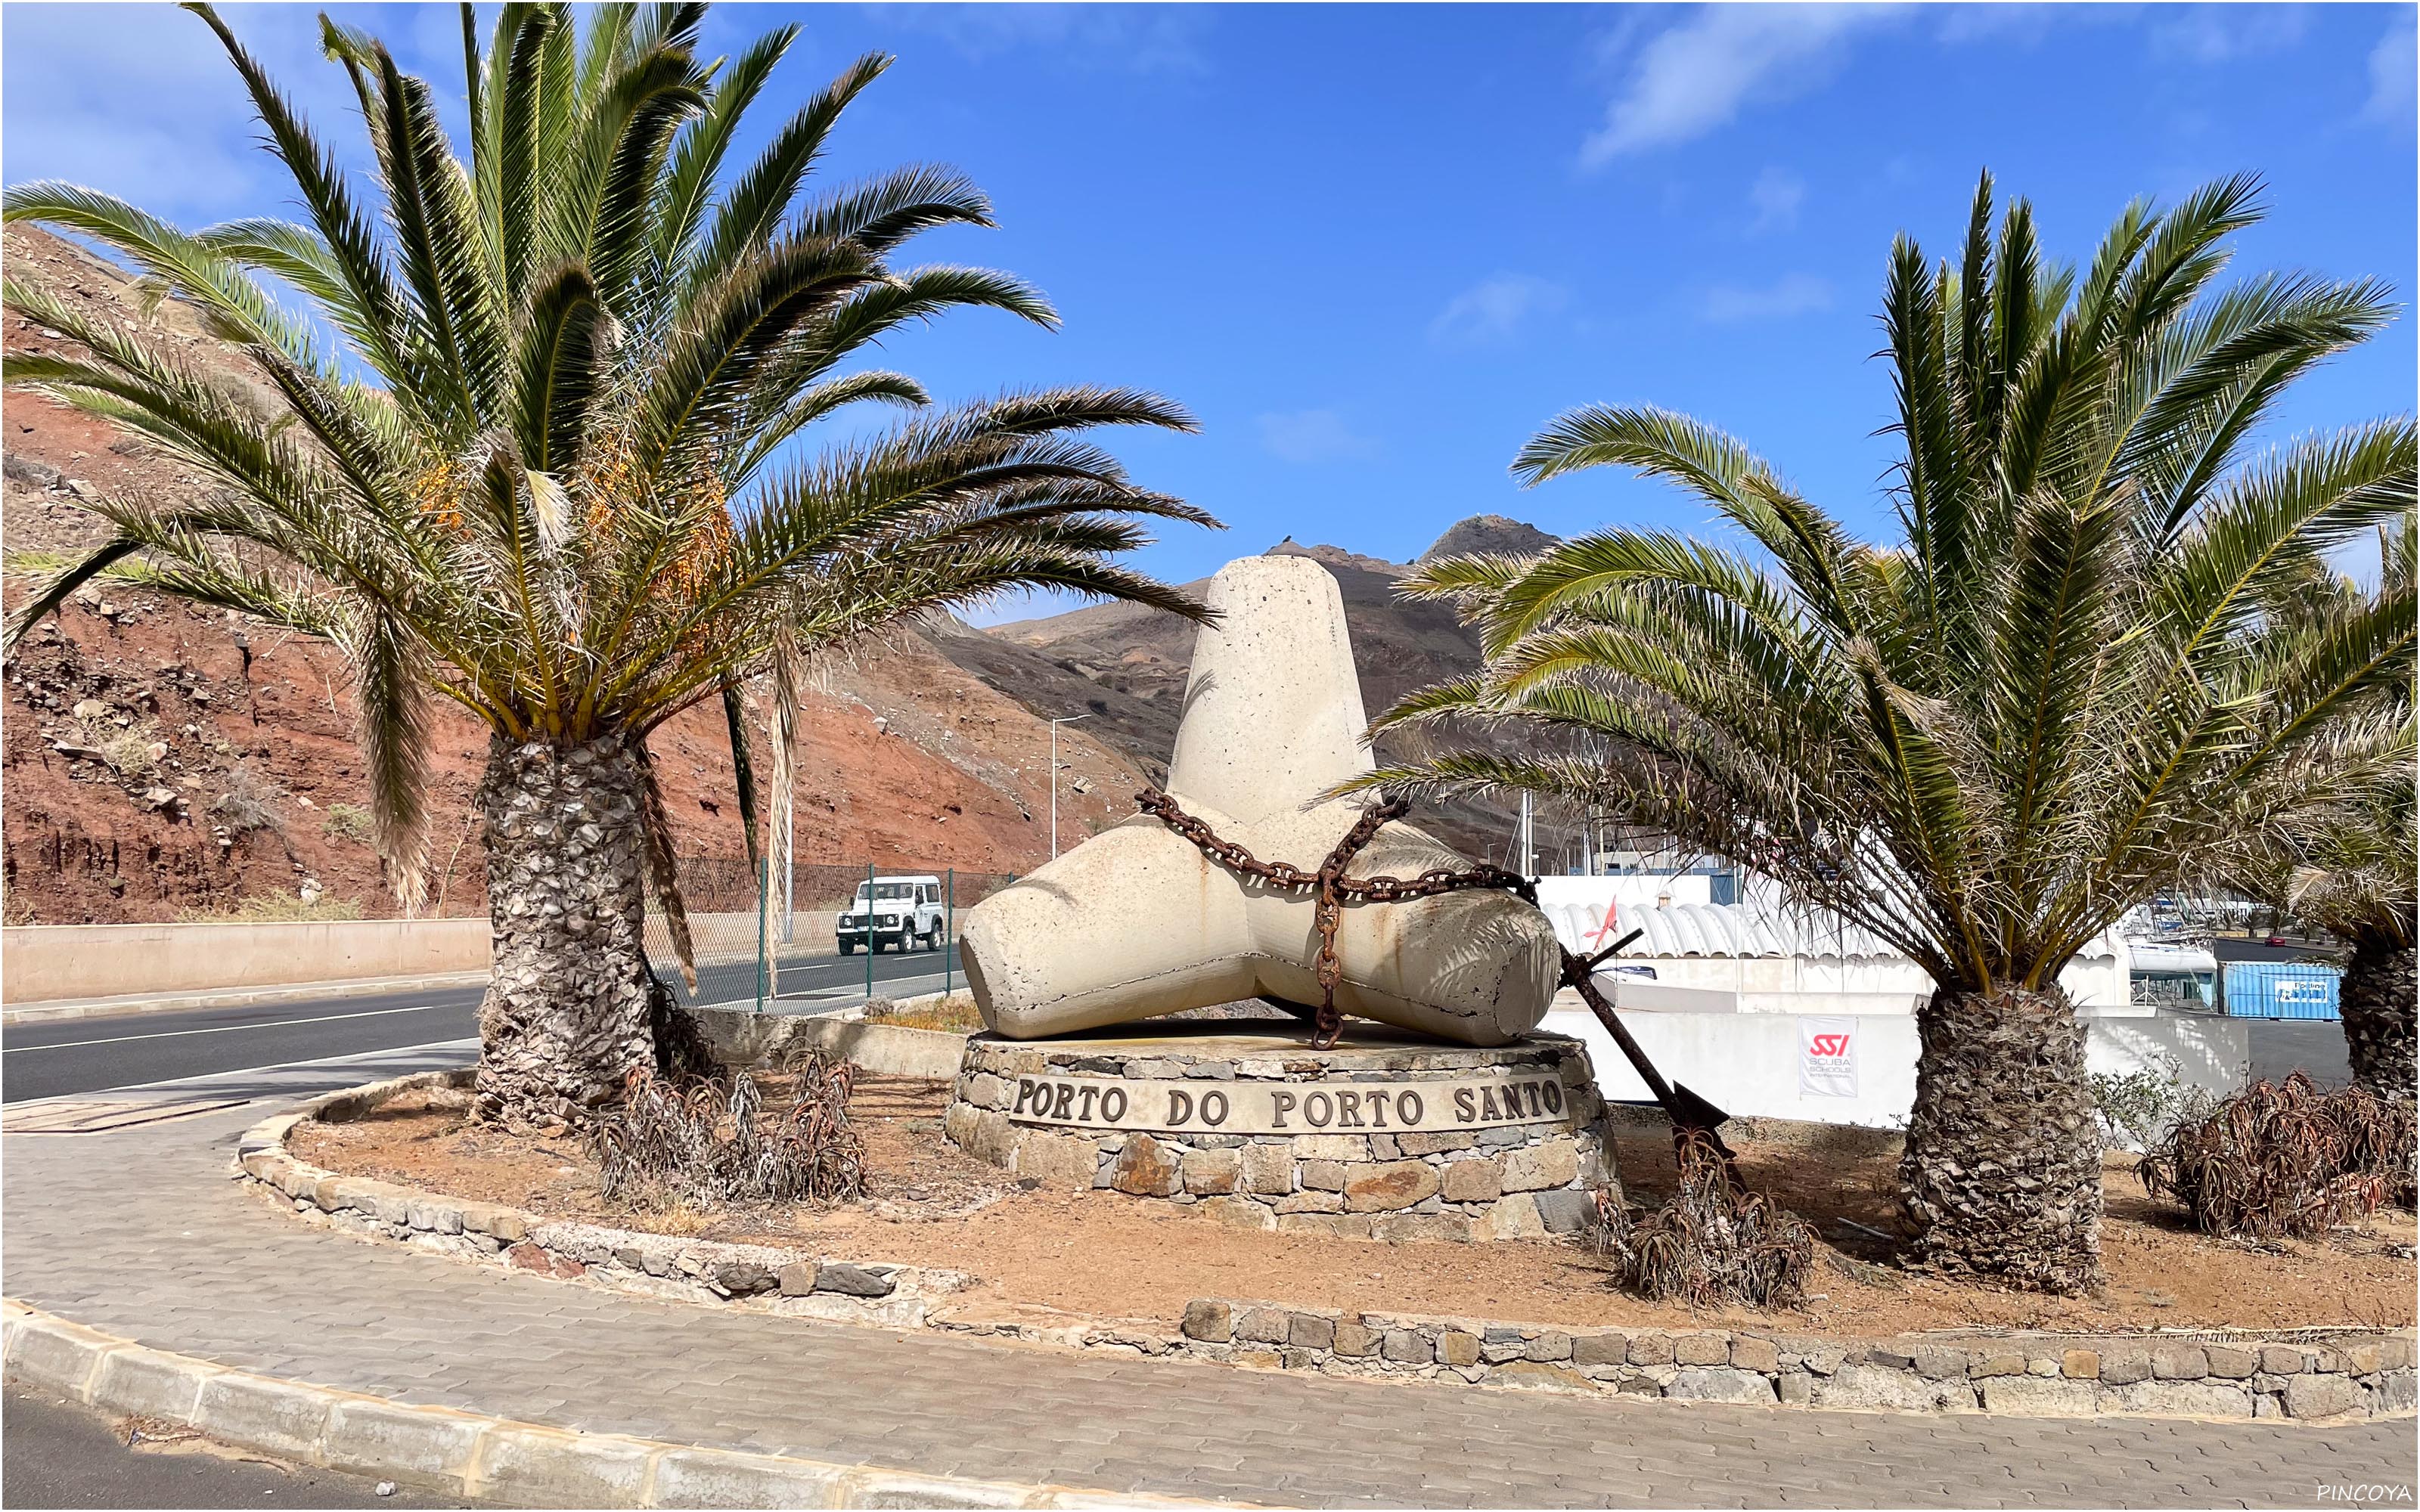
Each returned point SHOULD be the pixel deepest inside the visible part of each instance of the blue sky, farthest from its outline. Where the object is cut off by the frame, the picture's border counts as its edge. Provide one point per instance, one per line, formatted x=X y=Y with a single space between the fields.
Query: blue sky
x=1375 y=248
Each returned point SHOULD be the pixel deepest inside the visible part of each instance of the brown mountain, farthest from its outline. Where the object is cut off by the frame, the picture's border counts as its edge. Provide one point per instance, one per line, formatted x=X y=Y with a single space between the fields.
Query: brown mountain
x=1398 y=647
x=1497 y=535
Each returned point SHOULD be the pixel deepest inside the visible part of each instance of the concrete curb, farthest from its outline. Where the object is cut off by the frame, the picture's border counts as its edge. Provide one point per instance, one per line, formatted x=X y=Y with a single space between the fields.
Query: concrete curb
x=744 y=1039
x=99 y=1007
x=468 y=1455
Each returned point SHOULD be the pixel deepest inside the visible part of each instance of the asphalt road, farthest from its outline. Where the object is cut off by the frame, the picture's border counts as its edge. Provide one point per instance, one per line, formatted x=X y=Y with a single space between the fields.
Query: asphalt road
x=63 y=1453
x=96 y=1055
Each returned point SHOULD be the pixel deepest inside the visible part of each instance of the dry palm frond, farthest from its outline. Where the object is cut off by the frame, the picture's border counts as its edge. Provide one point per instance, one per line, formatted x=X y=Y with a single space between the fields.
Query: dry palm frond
x=2287 y=1159
x=707 y=1141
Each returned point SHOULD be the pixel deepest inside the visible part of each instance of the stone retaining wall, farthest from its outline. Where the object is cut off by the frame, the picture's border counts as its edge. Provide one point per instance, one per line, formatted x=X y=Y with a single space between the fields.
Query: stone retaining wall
x=790 y=1282
x=1509 y=1181
x=2304 y=1374
x=2307 y=1374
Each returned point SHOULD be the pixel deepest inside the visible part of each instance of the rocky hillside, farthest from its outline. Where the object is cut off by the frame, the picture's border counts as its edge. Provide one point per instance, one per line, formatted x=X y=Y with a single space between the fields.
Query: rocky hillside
x=1489 y=535
x=159 y=761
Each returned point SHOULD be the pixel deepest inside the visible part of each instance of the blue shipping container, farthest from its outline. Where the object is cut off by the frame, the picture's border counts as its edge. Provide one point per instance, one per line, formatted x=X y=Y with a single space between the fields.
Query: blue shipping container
x=2281 y=990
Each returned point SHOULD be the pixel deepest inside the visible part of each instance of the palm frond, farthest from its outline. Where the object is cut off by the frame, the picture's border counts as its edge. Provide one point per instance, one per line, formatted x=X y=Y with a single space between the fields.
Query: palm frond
x=750 y=214
x=663 y=869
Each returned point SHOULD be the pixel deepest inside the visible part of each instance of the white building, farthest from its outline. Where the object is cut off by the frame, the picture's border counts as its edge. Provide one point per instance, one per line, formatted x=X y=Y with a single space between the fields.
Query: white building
x=1762 y=956
x=1776 y=1012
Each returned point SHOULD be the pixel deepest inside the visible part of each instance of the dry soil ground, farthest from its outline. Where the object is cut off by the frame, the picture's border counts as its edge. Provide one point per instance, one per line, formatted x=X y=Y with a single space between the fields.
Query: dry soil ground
x=1104 y=1254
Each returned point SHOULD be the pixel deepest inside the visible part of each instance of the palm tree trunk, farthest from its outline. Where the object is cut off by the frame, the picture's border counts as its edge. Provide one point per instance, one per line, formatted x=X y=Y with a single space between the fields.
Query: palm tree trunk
x=2376 y=1003
x=2001 y=1175
x=570 y=1000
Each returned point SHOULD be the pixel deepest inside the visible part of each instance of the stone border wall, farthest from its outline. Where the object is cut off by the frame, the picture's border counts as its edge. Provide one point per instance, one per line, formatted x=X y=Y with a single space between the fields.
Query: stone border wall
x=2317 y=1374
x=1506 y=1181
x=792 y=1283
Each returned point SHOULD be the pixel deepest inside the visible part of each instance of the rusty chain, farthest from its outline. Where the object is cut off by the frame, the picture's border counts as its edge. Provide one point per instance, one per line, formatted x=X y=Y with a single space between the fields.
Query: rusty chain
x=1334 y=889
x=1688 y=1111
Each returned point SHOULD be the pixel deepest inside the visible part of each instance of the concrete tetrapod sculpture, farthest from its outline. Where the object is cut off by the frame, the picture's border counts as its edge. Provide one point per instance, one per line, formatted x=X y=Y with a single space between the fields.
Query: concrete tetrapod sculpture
x=1136 y=922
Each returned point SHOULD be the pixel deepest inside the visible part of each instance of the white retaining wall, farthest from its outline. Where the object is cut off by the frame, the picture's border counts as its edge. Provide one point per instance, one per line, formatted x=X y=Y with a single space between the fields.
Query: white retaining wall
x=1750 y=1064
x=44 y=962
x=1852 y=984
x=1769 y=957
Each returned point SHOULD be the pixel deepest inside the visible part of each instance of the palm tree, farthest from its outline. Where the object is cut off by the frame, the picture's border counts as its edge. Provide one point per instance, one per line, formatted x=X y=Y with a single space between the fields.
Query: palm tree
x=1989 y=740
x=532 y=457
x=2352 y=876
x=2335 y=847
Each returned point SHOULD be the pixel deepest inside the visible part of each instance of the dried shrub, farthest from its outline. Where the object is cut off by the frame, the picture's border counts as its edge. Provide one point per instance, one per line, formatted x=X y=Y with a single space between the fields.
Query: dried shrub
x=1716 y=1242
x=953 y=1014
x=2287 y=1159
x=349 y=822
x=707 y=1140
x=249 y=802
x=683 y=1051
x=273 y=908
x=136 y=751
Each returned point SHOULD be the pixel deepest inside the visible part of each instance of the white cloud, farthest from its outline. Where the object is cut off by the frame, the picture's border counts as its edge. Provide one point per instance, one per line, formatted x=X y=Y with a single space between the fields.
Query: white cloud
x=1775 y=196
x=1492 y=311
x=2023 y=24
x=2222 y=34
x=1694 y=77
x=1132 y=38
x=141 y=101
x=1790 y=294
x=1314 y=436
x=2020 y=23
x=2393 y=65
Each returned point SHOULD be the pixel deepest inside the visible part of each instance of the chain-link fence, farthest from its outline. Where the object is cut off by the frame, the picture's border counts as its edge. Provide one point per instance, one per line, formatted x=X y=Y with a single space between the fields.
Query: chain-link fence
x=810 y=937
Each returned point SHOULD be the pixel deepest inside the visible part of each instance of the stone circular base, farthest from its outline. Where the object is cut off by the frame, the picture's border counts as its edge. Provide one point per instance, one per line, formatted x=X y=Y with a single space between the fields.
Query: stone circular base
x=1389 y=1135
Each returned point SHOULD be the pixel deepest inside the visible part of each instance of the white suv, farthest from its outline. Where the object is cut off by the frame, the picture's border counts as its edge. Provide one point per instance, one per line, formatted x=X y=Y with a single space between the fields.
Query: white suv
x=894 y=910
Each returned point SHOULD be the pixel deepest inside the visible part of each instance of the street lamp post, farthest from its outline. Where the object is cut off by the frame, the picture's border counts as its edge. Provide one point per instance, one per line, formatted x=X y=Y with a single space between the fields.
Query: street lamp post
x=1528 y=840
x=1065 y=719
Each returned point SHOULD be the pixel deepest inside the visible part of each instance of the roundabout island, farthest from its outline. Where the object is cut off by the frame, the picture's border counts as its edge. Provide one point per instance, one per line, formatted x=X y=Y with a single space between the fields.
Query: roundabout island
x=1408 y=1096
x=1099 y=1203
x=1242 y=1173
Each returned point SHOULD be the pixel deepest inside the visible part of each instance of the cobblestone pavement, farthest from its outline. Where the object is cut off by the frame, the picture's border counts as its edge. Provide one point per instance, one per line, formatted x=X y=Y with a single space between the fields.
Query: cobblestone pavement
x=140 y=1233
